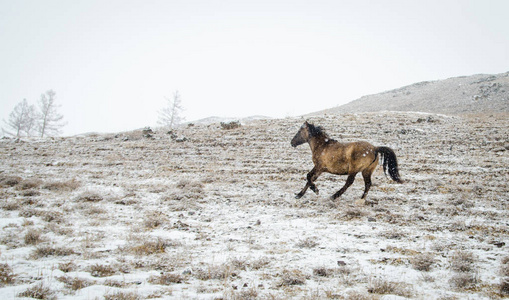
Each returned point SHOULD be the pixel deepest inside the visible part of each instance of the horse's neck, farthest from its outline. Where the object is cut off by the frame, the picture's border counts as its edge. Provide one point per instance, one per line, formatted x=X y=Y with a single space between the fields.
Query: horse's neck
x=315 y=143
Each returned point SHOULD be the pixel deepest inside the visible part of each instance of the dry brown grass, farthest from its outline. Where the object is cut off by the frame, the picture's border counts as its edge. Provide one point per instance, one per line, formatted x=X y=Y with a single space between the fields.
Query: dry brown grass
x=75 y=283
x=149 y=247
x=384 y=287
x=504 y=286
x=10 y=205
x=10 y=181
x=230 y=125
x=464 y=280
x=29 y=184
x=208 y=193
x=423 y=262
x=33 y=237
x=7 y=276
x=67 y=267
x=123 y=295
x=62 y=186
x=115 y=283
x=90 y=196
x=292 y=277
x=504 y=266
x=99 y=270
x=260 y=263
x=462 y=261
x=47 y=250
x=38 y=291
x=218 y=272
x=46 y=215
x=323 y=272
x=166 y=279
x=154 y=219
x=309 y=243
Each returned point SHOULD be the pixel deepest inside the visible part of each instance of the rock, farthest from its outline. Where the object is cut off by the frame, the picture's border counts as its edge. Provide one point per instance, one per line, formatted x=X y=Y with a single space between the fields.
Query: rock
x=360 y=202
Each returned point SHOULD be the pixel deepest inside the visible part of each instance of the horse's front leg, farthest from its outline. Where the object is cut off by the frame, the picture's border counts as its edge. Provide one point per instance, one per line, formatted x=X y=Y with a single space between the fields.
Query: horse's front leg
x=349 y=181
x=311 y=177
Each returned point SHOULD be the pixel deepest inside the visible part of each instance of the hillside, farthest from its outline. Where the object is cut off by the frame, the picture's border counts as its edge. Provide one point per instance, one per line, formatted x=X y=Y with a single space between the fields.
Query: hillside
x=210 y=214
x=459 y=95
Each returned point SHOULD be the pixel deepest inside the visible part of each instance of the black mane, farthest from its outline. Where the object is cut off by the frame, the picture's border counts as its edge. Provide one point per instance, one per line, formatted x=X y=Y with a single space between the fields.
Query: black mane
x=316 y=131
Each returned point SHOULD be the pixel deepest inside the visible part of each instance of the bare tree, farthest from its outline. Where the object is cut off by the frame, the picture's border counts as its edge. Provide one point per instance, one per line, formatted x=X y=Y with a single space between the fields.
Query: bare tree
x=49 y=119
x=171 y=115
x=21 y=119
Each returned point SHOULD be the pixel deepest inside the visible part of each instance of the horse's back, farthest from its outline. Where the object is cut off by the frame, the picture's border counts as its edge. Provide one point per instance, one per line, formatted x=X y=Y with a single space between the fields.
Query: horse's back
x=350 y=158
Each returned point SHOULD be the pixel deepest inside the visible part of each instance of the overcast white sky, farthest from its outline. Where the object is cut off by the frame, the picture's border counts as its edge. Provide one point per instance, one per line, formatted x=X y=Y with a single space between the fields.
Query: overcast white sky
x=112 y=62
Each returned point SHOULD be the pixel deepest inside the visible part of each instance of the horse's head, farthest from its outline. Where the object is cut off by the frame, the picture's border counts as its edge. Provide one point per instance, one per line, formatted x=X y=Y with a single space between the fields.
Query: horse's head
x=302 y=135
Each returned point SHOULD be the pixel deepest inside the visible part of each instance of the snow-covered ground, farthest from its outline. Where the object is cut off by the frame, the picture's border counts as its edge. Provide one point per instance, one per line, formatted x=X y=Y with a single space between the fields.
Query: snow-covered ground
x=207 y=213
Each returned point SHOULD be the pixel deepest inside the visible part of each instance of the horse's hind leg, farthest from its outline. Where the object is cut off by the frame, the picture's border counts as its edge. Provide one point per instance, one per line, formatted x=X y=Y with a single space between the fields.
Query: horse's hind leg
x=311 y=177
x=348 y=183
x=367 y=184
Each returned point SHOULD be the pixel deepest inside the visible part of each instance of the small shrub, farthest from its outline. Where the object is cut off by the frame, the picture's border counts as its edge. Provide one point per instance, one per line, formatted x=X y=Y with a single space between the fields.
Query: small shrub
x=28 y=184
x=244 y=294
x=353 y=213
x=355 y=295
x=10 y=205
x=99 y=270
x=462 y=261
x=323 y=272
x=62 y=186
x=38 y=291
x=307 y=243
x=75 y=283
x=90 y=196
x=215 y=272
x=67 y=267
x=422 y=262
x=45 y=251
x=384 y=287
x=292 y=277
x=239 y=263
x=6 y=275
x=10 y=181
x=45 y=215
x=152 y=247
x=504 y=286
x=30 y=193
x=166 y=279
x=463 y=280
x=230 y=125
x=154 y=220
x=121 y=295
x=193 y=186
x=115 y=283
x=33 y=237
x=504 y=268
x=260 y=263
x=51 y=216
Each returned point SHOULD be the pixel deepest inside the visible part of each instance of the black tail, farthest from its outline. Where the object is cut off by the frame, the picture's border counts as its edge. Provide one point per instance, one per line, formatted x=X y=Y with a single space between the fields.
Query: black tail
x=389 y=159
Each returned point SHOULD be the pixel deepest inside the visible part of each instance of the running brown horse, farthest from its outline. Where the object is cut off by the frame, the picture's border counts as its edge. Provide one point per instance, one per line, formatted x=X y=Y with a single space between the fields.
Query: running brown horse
x=338 y=158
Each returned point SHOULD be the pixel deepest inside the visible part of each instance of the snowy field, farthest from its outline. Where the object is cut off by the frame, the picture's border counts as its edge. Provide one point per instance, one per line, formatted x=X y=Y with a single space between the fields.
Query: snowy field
x=209 y=213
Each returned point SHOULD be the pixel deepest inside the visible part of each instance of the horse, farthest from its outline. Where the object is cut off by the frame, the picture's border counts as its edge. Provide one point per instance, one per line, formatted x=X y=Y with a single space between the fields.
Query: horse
x=338 y=158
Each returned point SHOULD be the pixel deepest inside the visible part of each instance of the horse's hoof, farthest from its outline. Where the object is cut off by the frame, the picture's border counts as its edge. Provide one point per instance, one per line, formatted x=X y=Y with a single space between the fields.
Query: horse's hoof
x=298 y=196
